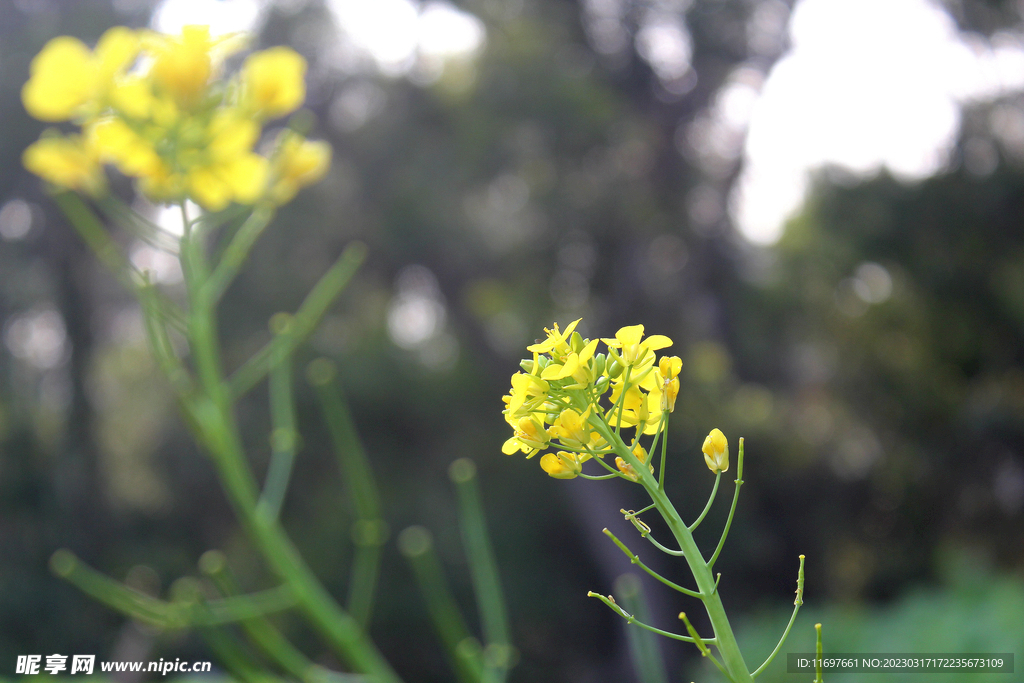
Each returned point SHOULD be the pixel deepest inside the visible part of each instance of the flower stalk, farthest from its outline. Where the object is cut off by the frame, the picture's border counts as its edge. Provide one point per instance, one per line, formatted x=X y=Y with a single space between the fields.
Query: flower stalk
x=627 y=387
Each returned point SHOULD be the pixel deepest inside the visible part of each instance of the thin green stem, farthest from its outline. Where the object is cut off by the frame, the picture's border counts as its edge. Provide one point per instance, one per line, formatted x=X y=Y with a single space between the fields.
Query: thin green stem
x=237 y=251
x=636 y=560
x=147 y=231
x=416 y=544
x=599 y=477
x=283 y=440
x=233 y=655
x=711 y=499
x=160 y=343
x=663 y=431
x=369 y=531
x=303 y=323
x=614 y=472
x=92 y=232
x=643 y=644
x=483 y=570
x=610 y=602
x=732 y=510
x=818 y=651
x=259 y=629
x=796 y=608
x=704 y=651
x=621 y=403
x=667 y=551
x=169 y=615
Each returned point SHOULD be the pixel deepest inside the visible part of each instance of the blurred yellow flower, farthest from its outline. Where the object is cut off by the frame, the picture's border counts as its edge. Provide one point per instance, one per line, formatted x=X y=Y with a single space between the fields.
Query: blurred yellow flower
x=716 y=451
x=273 y=82
x=67 y=79
x=183 y=65
x=297 y=163
x=69 y=162
x=171 y=122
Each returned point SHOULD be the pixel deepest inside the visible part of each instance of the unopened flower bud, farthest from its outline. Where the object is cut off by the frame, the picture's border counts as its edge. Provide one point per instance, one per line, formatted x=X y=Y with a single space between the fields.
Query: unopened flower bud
x=716 y=451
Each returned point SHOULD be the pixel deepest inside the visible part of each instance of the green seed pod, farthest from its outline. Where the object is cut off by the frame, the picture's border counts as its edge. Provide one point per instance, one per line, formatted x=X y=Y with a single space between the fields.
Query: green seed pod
x=614 y=369
x=599 y=362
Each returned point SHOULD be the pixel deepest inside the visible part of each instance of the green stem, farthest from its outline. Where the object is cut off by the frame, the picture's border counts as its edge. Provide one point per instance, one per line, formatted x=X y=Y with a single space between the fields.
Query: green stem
x=725 y=640
x=711 y=499
x=704 y=651
x=663 y=432
x=237 y=251
x=283 y=438
x=416 y=544
x=732 y=510
x=145 y=230
x=643 y=644
x=169 y=615
x=817 y=659
x=369 y=532
x=614 y=606
x=483 y=570
x=303 y=323
x=259 y=629
x=219 y=432
x=636 y=560
x=796 y=608
x=664 y=549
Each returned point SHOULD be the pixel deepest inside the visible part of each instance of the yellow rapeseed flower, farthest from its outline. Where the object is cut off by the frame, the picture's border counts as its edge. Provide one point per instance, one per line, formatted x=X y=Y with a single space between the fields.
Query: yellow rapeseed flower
x=716 y=451
x=273 y=82
x=70 y=162
x=630 y=347
x=173 y=124
x=628 y=470
x=69 y=80
x=562 y=465
x=183 y=65
x=530 y=437
x=298 y=162
x=668 y=372
x=557 y=343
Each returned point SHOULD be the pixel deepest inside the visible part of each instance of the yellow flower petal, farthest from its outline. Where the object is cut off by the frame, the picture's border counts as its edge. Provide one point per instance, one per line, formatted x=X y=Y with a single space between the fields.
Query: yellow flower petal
x=656 y=341
x=65 y=161
x=274 y=81
x=63 y=79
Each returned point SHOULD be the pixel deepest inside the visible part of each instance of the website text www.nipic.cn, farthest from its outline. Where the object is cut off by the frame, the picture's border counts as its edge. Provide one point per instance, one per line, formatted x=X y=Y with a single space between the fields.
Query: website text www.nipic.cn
x=86 y=664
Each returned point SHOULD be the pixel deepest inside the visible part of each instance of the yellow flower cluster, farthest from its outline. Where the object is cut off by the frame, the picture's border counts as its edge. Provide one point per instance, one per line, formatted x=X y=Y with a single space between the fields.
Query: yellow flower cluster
x=158 y=108
x=570 y=394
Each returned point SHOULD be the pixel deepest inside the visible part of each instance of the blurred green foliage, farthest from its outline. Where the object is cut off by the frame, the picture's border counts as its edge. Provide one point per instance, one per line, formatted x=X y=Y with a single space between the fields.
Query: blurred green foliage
x=973 y=610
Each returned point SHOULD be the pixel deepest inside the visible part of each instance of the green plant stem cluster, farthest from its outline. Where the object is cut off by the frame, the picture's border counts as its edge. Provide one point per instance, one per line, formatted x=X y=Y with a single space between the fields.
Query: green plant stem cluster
x=207 y=395
x=731 y=662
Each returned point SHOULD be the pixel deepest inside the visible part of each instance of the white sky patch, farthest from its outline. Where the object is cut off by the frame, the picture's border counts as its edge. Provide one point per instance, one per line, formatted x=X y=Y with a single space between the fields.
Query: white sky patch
x=396 y=33
x=867 y=84
x=222 y=16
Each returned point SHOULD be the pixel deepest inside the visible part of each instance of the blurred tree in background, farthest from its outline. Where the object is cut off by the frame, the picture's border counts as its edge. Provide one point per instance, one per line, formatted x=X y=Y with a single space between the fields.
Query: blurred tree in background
x=872 y=358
